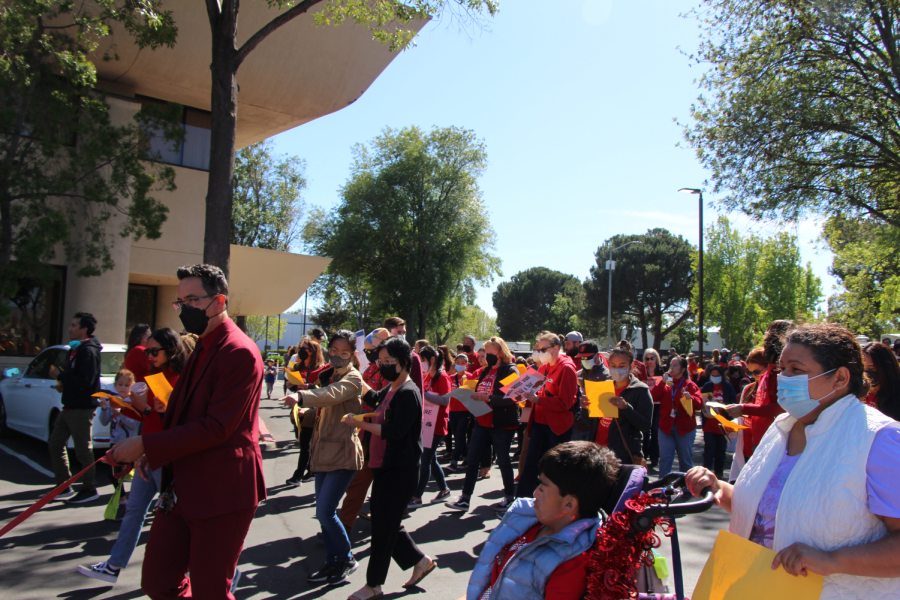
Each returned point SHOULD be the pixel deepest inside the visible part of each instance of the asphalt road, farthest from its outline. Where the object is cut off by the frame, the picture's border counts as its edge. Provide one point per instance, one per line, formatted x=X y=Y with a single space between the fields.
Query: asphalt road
x=38 y=559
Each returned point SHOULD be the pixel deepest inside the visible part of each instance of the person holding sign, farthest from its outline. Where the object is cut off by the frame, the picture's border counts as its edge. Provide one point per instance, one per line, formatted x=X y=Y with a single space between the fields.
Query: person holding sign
x=496 y=428
x=552 y=418
x=308 y=362
x=715 y=442
x=634 y=404
x=167 y=354
x=337 y=453
x=434 y=424
x=823 y=487
x=459 y=416
x=678 y=398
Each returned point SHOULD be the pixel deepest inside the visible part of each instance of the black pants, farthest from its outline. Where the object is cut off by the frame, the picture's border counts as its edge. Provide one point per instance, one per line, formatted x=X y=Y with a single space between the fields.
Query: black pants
x=540 y=440
x=459 y=426
x=392 y=489
x=483 y=439
x=306 y=434
x=651 y=442
x=714 y=447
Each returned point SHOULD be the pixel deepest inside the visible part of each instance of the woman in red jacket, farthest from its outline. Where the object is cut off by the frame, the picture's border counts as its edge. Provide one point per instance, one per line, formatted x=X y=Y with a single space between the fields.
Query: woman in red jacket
x=437 y=387
x=552 y=417
x=136 y=360
x=765 y=408
x=678 y=398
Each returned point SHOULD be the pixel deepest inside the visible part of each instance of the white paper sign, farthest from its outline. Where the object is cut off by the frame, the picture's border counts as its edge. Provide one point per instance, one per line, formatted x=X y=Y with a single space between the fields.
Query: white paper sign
x=529 y=383
x=475 y=407
x=429 y=418
x=360 y=350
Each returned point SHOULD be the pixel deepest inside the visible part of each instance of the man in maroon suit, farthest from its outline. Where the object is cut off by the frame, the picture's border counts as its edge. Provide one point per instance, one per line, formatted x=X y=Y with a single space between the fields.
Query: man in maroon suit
x=212 y=467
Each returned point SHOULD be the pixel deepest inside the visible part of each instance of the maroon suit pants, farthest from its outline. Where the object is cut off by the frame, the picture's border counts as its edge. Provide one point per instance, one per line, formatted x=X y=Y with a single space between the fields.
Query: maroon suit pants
x=208 y=548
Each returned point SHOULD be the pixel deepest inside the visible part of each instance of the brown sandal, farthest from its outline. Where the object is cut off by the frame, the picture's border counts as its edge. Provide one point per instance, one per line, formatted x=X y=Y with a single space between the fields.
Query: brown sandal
x=423 y=575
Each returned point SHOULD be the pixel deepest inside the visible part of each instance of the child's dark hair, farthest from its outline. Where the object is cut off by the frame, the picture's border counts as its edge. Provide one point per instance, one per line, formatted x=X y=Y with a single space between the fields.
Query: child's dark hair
x=429 y=353
x=584 y=470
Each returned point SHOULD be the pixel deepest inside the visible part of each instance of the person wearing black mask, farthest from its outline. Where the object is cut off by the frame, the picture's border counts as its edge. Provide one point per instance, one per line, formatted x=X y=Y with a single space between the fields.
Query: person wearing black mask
x=309 y=362
x=468 y=347
x=395 y=449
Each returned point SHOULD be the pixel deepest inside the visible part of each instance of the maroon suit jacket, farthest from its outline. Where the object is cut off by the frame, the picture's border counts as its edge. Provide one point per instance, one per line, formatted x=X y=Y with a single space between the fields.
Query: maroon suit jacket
x=209 y=442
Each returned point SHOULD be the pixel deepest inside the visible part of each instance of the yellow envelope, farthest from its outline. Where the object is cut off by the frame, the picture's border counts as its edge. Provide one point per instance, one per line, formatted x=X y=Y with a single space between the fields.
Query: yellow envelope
x=728 y=425
x=737 y=569
x=522 y=369
x=114 y=400
x=688 y=405
x=509 y=380
x=599 y=394
x=160 y=387
x=294 y=377
x=359 y=417
x=471 y=384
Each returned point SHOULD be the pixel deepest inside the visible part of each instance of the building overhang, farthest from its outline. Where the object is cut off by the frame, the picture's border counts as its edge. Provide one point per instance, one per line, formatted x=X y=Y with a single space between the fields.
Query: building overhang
x=299 y=73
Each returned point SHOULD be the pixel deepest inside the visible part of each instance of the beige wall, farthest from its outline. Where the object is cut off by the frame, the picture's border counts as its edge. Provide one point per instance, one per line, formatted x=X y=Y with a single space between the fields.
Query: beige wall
x=165 y=314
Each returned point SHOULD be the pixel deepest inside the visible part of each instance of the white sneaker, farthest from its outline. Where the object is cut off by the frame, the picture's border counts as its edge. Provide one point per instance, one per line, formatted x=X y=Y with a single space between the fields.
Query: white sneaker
x=101 y=571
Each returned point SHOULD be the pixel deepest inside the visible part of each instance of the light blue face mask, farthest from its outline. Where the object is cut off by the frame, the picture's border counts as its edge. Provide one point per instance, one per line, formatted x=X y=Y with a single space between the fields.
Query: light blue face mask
x=620 y=374
x=460 y=368
x=793 y=394
x=715 y=379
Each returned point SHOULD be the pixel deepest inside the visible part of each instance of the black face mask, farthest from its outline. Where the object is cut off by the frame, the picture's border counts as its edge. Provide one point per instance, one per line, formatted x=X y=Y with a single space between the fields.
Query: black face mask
x=372 y=355
x=389 y=372
x=194 y=320
x=467 y=348
x=491 y=359
x=302 y=354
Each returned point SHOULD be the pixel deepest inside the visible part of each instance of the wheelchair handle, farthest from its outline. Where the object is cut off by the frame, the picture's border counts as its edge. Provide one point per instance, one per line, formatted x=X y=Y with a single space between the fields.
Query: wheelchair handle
x=644 y=521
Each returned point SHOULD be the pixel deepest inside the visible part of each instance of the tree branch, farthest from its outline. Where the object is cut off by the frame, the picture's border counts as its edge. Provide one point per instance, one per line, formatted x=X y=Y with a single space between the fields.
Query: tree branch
x=270 y=27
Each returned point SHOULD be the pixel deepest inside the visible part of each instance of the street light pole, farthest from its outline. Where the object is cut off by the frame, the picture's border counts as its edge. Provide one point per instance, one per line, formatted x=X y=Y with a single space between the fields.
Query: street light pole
x=611 y=266
x=700 y=274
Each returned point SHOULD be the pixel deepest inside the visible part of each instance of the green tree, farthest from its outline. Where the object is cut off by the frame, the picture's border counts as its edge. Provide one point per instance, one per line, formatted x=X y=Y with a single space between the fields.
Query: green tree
x=268 y=207
x=266 y=329
x=799 y=106
x=472 y=320
x=65 y=171
x=411 y=228
x=652 y=283
x=524 y=304
x=389 y=22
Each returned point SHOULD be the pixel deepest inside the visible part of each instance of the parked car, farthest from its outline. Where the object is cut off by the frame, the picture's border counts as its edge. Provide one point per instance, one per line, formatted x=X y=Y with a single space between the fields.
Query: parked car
x=29 y=401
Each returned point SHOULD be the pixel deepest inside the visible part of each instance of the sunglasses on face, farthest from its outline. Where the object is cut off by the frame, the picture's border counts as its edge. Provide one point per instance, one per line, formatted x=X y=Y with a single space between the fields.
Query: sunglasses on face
x=153 y=351
x=756 y=373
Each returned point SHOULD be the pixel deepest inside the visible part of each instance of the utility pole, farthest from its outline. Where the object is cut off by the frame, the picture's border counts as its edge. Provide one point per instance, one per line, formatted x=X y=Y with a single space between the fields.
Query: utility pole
x=611 y=266
x=699 y=193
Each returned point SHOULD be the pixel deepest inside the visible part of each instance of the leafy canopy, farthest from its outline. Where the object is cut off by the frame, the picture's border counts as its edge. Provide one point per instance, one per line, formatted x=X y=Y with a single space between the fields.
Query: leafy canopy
x=525 y=304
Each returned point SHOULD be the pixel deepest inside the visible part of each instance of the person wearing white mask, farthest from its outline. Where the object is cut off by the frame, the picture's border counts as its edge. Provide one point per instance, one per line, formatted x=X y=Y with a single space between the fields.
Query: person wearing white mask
x=593 y=367
x=823 y=487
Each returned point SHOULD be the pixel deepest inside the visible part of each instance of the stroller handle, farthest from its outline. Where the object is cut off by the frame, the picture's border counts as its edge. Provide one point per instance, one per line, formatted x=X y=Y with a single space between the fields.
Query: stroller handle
x=644 y=521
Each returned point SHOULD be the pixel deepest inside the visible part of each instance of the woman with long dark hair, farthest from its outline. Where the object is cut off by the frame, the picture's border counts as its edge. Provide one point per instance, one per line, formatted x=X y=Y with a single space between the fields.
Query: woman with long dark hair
x=437 y=386
x=309 y=362
x=883 y=372
x=166 y=354
x=135 y=359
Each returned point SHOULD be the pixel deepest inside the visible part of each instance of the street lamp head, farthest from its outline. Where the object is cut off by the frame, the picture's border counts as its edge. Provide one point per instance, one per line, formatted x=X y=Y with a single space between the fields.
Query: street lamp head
x=690 y=191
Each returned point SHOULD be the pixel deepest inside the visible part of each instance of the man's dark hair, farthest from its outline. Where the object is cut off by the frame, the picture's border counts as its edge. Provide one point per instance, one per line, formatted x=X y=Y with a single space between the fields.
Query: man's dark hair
x=397 y=347
x=87 y=321
x=137 y=332
x=584 y=470
x=319 y=333
x=393 y=323
x=212 y=278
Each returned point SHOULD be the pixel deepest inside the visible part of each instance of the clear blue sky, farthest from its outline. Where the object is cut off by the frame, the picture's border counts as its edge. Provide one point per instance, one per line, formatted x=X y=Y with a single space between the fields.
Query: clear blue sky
x=575 y=100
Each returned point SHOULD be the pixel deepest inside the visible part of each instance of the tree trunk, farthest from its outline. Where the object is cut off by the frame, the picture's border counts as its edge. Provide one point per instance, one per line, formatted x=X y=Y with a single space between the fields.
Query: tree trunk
x=223 y=100
x=241 y=322
x=643 y=321
x=657 y=330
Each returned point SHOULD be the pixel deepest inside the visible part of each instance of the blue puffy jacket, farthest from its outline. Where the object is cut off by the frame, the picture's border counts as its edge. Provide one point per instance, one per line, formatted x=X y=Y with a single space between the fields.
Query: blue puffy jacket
x=525 y=574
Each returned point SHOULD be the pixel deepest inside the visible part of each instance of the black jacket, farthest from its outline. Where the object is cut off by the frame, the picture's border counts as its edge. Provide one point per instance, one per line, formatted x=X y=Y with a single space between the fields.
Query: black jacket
x=402 y=427
x=506 y=410
x=81 y=378
x=634 y=420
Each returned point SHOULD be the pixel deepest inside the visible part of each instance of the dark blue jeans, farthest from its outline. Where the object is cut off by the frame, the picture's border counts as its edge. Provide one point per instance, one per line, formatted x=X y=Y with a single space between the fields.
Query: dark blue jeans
x=430 y=465
x=482 y=439
x=540 y=440
x=459 y=426
x=330 y=487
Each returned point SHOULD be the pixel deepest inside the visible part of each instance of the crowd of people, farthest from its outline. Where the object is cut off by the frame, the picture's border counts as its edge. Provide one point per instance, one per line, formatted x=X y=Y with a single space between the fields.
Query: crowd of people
x=810 y=415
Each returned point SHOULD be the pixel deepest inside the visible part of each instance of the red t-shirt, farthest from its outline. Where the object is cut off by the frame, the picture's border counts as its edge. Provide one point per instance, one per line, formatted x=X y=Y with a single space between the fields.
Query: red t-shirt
x=442 y=387
x=486 y=386
x=558 y=395
x=711 y=425
x=473 y=365
x=567 y=582
x=456 y=381
x=137 y=361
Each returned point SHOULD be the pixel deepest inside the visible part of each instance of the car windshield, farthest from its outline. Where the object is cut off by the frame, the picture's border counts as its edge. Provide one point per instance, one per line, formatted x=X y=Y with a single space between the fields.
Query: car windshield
x=111 y=363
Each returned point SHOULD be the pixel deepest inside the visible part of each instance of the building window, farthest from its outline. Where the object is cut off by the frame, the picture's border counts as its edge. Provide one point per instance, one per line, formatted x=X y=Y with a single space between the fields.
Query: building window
x=194 y=151
x=141 y=307
x=31 y=319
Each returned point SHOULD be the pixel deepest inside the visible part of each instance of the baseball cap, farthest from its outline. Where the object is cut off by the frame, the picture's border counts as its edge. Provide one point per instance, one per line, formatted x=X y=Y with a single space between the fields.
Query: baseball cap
x=587 y=350
x=574 y=336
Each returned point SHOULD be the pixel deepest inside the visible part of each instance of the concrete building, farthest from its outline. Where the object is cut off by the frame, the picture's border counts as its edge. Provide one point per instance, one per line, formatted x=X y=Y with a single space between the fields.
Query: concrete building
x=298 y=74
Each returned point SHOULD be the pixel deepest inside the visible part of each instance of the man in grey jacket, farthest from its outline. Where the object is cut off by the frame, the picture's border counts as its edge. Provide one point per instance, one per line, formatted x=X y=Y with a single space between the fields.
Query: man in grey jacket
x=79 y=381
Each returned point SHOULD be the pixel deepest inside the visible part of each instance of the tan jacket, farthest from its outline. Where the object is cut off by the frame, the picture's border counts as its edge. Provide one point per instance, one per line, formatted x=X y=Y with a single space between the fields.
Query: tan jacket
x=335 y=445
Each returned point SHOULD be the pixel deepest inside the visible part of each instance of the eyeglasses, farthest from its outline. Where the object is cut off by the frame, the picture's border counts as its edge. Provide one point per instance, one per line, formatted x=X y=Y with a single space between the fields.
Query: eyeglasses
x=755 y=373
x=386 y=363
x=190 y=301
x=344 y=354
x=153 y=351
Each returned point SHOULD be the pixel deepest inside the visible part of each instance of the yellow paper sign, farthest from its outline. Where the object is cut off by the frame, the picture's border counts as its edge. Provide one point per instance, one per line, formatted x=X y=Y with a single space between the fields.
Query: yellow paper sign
x=160 y=387
x=114 y=400
x=294 y=377
x=728 y=425
x=737 y=569
x=359 y=417
x=599 y=394
x=471 y=384
x=509 y=380
x=688 y=405
x=522 y=369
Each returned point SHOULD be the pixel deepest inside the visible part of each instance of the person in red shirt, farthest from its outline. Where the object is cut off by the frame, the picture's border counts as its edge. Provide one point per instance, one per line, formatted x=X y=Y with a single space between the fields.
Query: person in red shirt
x=715 y=442
x=136 y=360
x=459 y=415
x=310 y=362
x=575 y=478
x=678 y=398
x=435 y=399
x=469 y=348
x=552 y=417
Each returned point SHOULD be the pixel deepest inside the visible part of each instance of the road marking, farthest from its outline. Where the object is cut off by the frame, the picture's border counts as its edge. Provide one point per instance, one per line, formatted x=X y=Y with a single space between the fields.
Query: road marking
x=27 y=461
